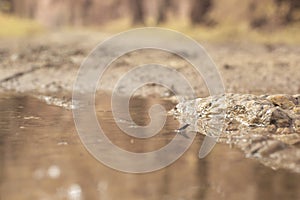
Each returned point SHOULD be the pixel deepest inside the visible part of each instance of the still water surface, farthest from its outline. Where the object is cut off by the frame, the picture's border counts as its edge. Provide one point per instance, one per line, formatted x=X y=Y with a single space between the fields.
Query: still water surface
x=41 y=157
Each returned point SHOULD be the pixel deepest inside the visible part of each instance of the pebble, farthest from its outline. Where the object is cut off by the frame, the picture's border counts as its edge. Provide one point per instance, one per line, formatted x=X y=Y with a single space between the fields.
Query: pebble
x=282 y=100
x=296 y=110
x=297 y=125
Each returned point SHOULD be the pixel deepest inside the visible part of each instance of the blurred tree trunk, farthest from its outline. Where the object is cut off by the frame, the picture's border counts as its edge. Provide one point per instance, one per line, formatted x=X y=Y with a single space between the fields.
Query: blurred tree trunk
x=292 y=6
x=86 y=10
x=136 y=7
x=199 y=11
x=7 y=6
x=162 y=11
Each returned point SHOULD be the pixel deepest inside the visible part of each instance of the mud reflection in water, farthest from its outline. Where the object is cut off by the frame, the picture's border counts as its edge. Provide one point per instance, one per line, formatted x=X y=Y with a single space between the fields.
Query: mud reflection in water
x=41 y=157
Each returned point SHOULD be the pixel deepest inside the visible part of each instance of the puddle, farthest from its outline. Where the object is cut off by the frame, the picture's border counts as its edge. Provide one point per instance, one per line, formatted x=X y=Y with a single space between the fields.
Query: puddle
x=41 y=157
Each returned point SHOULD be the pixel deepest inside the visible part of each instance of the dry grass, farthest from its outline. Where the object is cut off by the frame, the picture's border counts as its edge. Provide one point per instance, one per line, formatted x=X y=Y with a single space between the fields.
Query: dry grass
x=239 y=32
x=17 y=27
x=220 y=33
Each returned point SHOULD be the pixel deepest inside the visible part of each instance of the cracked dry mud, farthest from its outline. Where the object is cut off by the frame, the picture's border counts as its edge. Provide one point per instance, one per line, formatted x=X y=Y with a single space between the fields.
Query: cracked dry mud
x=265 y=127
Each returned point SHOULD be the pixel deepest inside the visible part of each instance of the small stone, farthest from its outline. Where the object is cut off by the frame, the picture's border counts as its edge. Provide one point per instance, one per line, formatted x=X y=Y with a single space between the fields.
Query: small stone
x=271 y=147
x=297 y=98
x=232 y=126
x=296 y=109
x=297 y=125
x=271 y=128
x=283 y=131
x=280 y=119
x=14 y=57
x=227 y=66
x=264 y=148
x=282 y=100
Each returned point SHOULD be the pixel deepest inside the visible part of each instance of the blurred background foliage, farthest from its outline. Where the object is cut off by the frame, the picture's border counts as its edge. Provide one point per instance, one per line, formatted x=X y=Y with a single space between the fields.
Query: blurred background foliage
x=212 y=20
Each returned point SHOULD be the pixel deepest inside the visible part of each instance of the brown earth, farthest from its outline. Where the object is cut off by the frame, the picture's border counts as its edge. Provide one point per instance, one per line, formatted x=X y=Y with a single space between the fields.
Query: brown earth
x=46 y=67
x=49 y=64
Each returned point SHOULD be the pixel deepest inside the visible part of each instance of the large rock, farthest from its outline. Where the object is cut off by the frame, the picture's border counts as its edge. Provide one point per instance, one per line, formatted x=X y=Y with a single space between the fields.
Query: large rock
x=266 y=127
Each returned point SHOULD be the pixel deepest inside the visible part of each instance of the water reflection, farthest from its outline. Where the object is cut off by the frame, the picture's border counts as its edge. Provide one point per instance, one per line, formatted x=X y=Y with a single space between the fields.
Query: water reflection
x=41 y=157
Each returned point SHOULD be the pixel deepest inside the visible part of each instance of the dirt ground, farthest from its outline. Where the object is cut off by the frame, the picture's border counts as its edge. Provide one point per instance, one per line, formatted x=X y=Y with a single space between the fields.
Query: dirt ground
x=48 y=64
x=45 y=67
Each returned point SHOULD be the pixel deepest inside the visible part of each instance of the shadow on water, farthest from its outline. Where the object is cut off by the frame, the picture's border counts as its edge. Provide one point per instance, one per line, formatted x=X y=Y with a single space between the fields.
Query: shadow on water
x=41 y=157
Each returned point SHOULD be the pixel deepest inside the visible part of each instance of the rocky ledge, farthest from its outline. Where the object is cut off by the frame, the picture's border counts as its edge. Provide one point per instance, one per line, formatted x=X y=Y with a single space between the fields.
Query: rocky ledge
x=265 y=127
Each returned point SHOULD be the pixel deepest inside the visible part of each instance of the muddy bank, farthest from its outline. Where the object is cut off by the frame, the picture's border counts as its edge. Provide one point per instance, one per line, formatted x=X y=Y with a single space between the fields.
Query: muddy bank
x=265 y=127
x=42 y=157
x=46 y=68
